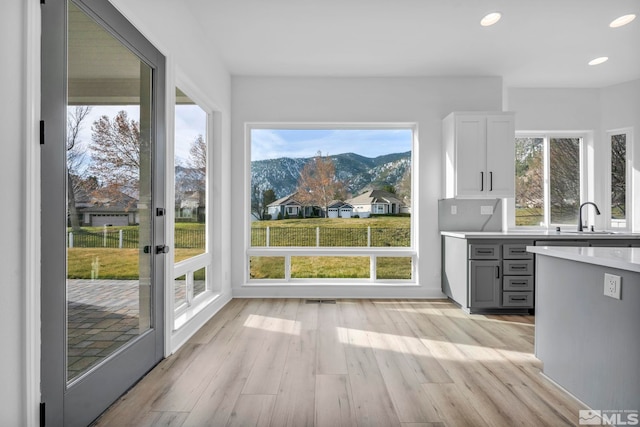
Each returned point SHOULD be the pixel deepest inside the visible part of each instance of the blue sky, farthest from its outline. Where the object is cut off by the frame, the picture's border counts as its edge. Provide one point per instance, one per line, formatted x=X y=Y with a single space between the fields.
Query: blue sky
x=301 y=143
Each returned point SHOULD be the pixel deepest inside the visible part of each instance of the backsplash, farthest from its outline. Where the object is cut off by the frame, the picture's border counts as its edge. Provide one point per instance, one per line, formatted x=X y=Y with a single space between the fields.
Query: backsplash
x=470 y=214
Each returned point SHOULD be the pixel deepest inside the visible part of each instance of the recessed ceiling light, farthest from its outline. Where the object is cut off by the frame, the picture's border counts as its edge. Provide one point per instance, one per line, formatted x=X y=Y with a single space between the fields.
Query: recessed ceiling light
x=599 y=60
x=490 y=19
x=623 y=20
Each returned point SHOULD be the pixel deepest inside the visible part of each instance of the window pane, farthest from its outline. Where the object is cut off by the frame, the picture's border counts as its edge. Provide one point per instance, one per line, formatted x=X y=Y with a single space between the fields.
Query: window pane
x=266 y=267
x=529 y=181
x=397 y=268
x=618 y=180
x=108 y=195
x=199 y=281
x=326 y=267
x=564 y=177
x=190 y=178
x=306 y=197
x=180 y=291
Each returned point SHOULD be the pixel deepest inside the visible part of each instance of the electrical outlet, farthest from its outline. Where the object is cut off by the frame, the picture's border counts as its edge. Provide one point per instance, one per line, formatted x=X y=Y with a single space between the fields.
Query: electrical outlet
x=612 y=285
x=486 y=210
x=454 y=210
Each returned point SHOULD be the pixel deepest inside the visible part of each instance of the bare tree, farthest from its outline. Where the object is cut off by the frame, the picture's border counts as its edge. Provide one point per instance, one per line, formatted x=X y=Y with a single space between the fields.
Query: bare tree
x=116 y=155
x=318 y=185
x=404 y=187
x=76 y=160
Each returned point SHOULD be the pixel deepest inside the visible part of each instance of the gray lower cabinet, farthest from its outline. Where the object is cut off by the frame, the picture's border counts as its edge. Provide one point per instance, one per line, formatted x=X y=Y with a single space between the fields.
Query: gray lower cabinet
x=499 y=274
x=486 y=284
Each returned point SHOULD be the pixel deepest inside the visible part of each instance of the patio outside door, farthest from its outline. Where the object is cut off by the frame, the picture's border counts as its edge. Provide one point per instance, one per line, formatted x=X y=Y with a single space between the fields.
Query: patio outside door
x=102 y=208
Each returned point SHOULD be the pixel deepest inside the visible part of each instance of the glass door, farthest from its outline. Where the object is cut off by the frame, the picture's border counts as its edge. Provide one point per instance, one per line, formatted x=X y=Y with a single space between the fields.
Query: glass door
x=102 y=217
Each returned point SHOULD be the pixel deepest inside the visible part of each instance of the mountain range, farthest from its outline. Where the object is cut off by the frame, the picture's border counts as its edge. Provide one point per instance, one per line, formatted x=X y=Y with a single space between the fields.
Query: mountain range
x=359 y=173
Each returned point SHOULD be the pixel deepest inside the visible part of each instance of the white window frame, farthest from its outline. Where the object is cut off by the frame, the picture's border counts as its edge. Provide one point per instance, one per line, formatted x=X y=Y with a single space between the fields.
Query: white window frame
x=629 y=193
x=182 y=314
x=586 y=190
x=371 y=252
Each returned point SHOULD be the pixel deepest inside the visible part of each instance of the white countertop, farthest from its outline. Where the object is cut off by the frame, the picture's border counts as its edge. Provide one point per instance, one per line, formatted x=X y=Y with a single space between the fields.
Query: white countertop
x=537 y=235
x=621 y=258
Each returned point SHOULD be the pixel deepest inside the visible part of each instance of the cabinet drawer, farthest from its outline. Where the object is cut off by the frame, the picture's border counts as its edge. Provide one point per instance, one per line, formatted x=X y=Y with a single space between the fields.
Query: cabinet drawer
x=517 y=283
x=517 y=267
x=516 y=251
x=517 y=299
x=484 y=251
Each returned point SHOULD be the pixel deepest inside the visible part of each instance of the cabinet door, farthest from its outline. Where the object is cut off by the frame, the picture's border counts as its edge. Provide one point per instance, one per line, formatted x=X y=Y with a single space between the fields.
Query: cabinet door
x=500 y=156
x=484 y=284
x=470 y=146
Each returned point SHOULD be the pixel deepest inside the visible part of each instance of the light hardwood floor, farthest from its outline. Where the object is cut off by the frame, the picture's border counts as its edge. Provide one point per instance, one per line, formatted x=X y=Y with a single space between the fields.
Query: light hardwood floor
x=283 y=362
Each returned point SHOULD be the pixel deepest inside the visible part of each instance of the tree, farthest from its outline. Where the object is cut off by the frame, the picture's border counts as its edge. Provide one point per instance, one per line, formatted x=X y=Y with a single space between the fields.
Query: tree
x=116 y=155
x=529 y=181
x=317 y=185
x=618 y=176
x=76 y=160
x=191 y=176
x=404 y=187
x=260 y=200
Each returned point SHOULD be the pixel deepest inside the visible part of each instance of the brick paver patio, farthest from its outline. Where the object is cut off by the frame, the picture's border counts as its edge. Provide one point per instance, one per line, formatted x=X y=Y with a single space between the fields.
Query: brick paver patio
x=102 y=317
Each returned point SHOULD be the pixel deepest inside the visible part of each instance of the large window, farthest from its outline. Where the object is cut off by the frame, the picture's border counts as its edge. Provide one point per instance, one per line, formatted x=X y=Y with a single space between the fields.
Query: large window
x=330 y=203
x=190 y=202
x=548 y=179
x=620 y=179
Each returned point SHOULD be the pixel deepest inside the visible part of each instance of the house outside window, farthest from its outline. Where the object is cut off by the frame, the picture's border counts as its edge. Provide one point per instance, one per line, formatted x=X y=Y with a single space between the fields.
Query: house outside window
x=331 y=182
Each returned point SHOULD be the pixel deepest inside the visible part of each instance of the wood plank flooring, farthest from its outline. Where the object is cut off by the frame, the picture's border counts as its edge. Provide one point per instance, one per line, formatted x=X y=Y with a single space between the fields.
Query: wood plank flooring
x=283 y=362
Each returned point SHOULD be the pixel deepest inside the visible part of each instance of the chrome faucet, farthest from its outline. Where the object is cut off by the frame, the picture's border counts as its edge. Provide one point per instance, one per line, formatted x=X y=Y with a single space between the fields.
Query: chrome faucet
x=580 y=227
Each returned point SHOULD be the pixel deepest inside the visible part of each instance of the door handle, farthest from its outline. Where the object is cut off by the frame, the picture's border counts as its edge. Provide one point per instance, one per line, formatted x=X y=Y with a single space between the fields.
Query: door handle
x=481 y=181
x=162 y=249
x=490 y=181
x=497 y=272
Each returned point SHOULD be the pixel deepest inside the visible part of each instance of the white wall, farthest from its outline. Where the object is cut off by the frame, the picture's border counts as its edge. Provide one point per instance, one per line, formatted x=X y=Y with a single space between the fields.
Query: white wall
x=12 y=116
x=425 y=101
x=554 y=109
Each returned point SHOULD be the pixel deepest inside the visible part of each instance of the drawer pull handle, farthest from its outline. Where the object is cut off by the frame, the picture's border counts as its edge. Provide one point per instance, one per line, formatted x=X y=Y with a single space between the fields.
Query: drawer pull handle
x=517 y=251
x=518 y=298
x=519 y=283
x=484 y=251
x=518 y=267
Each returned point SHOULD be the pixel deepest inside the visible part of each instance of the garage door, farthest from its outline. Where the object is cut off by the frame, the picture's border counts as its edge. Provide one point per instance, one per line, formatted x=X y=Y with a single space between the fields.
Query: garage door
x=116 y=220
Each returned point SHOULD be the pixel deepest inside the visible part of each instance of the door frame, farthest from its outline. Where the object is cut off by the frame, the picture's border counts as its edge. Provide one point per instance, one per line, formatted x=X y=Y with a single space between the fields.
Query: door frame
x=51 y=94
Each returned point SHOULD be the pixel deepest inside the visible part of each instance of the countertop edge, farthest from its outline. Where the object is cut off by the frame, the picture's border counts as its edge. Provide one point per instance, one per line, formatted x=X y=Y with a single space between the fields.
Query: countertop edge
x=621 y=258
x=537 y=235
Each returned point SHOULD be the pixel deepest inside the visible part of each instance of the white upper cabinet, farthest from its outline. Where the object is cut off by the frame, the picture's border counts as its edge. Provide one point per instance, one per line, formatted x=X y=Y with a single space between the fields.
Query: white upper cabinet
x=479 y=153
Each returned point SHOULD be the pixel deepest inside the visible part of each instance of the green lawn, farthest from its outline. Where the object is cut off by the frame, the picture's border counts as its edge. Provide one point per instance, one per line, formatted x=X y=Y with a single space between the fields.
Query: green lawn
x=391 y=231
x=326 y=267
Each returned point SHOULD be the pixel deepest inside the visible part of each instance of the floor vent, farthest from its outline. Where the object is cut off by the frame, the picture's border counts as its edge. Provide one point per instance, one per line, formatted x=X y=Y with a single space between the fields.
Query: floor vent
x=320 y=301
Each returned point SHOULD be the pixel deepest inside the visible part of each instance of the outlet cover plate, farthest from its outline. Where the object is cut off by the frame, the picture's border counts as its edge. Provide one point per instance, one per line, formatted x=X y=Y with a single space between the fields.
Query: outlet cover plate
x=612 y=285
x=486 y=210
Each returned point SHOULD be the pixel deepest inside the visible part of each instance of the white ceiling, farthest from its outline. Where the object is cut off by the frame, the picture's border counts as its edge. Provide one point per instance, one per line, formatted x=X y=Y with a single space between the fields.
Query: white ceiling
x=538 y=43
